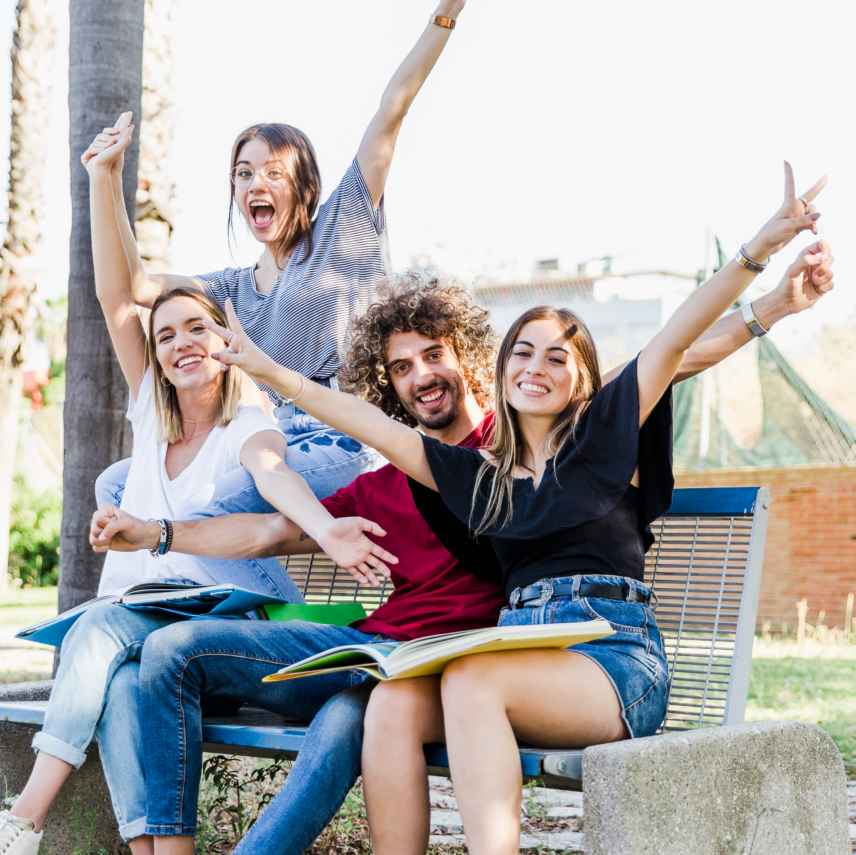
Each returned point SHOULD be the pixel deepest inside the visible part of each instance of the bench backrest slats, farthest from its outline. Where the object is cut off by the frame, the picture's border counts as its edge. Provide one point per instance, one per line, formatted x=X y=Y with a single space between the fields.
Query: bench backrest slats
x=705 y=569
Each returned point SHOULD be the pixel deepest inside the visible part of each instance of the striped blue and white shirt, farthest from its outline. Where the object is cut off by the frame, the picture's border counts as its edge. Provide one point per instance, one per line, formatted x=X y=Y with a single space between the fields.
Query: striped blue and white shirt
x=301 y=324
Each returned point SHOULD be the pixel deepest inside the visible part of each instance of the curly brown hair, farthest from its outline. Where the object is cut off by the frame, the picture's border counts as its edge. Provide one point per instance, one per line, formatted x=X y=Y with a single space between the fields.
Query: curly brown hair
x=433 y=306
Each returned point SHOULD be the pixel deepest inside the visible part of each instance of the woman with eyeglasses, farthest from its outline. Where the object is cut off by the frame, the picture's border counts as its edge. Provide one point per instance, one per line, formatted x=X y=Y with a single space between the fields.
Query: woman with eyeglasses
x=319 y=266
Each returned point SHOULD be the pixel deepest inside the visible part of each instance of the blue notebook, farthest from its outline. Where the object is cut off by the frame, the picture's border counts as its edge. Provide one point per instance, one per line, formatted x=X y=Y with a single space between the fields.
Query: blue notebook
x=186 y=600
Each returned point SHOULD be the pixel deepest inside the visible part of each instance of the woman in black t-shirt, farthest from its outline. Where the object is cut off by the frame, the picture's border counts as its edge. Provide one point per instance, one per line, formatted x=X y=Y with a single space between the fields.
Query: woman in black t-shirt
x=565 y=492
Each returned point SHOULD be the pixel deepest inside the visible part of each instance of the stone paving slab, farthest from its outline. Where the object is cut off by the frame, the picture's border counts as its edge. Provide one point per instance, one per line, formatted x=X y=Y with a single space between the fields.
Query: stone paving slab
x=447 y=827
x=557 y=842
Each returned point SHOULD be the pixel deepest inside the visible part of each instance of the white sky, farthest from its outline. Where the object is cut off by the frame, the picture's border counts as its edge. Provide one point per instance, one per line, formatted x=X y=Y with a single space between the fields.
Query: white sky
x=547 y=129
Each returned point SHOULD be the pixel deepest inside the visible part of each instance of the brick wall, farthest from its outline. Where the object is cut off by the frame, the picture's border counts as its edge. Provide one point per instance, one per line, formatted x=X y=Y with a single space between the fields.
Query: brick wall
x=811 y=538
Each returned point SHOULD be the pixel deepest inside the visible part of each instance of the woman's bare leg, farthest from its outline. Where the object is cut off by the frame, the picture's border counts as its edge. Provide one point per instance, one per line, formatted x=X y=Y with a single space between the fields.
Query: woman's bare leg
x=174 y=845
x=549 y=698
x=142 y=845
x=46 y=779
x=403 y=715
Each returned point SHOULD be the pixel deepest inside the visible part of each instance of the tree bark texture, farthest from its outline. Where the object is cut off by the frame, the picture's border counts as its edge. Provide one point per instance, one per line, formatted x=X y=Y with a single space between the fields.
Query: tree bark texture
x=32 y=57
x=154 y=189
x=105 y=78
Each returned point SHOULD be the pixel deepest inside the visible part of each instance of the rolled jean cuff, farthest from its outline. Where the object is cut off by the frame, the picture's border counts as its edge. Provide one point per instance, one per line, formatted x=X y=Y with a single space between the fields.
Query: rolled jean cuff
x=172 y=830
x=57 y=748
x=133 y=829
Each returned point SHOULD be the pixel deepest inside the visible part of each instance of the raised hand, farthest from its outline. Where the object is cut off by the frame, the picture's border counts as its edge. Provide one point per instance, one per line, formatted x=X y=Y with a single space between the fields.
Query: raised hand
x=108 y=148
x=797 y=214
x=240 y=350
x=807 y=279
x=113 y=528
x=346 y=543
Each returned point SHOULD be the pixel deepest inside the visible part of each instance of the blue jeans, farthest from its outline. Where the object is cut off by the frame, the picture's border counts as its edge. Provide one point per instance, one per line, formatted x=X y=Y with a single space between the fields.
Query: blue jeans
x=229 y=660
x=327 y=460
x=95 y=693
x=633 y=658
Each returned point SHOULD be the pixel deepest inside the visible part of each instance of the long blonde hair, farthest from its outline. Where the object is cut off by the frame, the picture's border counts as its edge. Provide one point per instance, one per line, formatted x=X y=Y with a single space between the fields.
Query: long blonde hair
x=506 y=444
x=170 y=427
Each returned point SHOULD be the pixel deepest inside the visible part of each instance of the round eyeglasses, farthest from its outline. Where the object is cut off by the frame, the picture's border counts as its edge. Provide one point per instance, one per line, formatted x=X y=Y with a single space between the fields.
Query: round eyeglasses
x=272 y=173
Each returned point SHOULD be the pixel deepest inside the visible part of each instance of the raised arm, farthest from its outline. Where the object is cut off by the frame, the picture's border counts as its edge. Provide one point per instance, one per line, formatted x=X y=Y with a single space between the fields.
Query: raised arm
x=790 y=297
x=660 y=359
x=378 y=144
x=794 y=294
x=112 y=271
x=399 y=444
x=145 y=287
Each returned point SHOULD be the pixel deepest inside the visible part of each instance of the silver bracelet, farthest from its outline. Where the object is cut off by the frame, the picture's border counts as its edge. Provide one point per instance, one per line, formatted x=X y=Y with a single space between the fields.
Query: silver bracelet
x=752 y=322
x=302 y=390
x=749 y=263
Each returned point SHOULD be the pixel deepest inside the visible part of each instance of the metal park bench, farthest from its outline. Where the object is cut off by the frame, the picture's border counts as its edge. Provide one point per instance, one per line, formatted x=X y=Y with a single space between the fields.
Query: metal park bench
x=705 y=569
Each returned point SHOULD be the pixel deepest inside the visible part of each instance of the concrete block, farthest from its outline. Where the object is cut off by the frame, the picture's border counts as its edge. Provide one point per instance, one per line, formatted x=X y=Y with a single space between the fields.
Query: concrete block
x=771 y=788
x=87 y=784
x=38 y=691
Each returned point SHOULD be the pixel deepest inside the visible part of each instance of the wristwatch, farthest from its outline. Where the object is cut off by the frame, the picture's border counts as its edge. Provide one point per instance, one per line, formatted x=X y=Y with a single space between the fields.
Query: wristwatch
x=752 y=322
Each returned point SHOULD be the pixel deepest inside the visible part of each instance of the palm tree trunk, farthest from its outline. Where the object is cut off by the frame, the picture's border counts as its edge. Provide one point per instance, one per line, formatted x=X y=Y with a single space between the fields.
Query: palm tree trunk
x=32 y=56
x=154 y=189
x=105 y=78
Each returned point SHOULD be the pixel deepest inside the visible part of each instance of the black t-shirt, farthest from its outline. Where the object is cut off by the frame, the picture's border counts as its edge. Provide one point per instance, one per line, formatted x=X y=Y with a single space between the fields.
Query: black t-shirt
x=584 y=518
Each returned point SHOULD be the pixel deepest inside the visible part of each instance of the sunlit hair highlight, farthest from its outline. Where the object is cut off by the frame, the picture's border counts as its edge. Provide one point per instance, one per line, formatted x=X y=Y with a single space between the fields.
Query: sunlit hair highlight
x=292 y=148
x=432 y=306
x=168 y=413
x=506 y=443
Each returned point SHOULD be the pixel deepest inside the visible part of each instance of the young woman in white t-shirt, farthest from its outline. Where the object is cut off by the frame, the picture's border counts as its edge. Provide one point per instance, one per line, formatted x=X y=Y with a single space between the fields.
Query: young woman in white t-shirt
x=189 y=429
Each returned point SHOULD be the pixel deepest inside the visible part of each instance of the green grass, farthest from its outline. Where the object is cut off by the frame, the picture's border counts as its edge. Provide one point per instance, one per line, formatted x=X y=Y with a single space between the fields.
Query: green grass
x=28 y=597
x=807 y=682
x=22 y=607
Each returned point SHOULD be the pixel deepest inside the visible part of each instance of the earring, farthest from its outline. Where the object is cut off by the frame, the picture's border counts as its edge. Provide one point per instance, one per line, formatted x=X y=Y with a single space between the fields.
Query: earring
x=164 y=381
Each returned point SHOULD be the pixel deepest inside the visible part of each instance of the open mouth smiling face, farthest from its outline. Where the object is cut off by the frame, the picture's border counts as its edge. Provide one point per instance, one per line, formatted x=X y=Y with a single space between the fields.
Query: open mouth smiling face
x=184 y=346
x=542 y=371
x=262 y=193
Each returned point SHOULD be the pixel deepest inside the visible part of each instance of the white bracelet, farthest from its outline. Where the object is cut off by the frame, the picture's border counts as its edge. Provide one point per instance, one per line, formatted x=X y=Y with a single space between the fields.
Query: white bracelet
x=302 y=390
x=752 y=322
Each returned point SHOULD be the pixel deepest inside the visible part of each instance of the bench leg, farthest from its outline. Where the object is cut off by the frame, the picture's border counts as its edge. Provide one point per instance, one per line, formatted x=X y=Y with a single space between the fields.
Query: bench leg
x=768 y=788
x=87 y=785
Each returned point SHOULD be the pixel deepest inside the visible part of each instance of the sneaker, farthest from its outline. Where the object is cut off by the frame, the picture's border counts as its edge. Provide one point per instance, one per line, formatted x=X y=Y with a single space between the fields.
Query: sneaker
x=18 y=835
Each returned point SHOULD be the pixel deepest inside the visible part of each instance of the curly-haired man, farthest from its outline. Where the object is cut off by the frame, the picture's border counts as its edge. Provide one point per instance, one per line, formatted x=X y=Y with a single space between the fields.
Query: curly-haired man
x=424 y=354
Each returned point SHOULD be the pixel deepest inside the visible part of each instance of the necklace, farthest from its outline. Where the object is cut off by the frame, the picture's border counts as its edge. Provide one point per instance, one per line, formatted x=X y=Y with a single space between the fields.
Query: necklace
x=201 y=422
x=197 y=435
x=276 y=273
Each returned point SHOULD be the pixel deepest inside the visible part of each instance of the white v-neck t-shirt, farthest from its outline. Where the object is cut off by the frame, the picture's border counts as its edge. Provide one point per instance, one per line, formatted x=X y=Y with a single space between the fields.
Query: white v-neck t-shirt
x=150 y=494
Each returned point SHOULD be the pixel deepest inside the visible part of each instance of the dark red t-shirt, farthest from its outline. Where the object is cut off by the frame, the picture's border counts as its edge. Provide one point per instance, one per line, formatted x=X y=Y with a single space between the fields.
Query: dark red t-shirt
x=433 y=592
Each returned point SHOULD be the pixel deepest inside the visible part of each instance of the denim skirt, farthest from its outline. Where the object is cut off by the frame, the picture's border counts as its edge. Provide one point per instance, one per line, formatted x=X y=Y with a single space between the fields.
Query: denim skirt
x=633 y=658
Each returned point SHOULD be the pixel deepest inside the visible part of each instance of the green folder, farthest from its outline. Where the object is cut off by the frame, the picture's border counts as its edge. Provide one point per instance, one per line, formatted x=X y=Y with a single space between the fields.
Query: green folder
x=335 y=614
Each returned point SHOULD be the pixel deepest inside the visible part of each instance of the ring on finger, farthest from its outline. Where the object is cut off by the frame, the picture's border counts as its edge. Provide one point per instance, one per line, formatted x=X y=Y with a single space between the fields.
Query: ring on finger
x=803 y=200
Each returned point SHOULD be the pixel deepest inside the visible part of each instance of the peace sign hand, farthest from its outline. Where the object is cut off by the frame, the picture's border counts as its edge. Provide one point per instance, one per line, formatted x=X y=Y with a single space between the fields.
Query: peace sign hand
x=240 y=350
x=797 y=214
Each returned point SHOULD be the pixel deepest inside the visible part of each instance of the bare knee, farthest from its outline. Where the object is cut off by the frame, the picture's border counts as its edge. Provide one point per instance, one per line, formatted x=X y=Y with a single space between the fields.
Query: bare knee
x=472 y=682
x=400 y=709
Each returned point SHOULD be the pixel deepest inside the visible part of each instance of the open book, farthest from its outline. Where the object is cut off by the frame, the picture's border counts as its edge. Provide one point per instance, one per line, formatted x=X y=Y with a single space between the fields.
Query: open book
x=395 y=660
x=185 y=599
